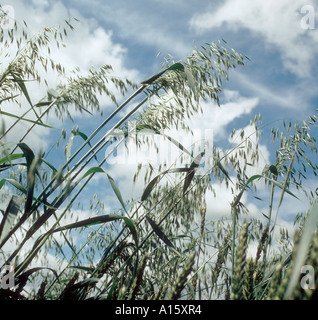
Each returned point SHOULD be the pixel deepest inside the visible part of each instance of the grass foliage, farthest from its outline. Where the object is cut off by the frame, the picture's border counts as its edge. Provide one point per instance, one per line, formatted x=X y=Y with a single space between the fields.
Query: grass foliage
x=163 y=245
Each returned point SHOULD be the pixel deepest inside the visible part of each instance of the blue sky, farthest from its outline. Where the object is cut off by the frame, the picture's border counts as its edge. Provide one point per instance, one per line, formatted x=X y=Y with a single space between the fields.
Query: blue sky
x=280 y=82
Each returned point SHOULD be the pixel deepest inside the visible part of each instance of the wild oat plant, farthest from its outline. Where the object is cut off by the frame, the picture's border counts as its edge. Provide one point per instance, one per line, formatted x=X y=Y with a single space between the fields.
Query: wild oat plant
x=161 y=245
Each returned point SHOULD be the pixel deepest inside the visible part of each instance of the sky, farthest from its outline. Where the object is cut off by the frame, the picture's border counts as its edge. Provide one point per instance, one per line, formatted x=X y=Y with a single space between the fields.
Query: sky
x=279 y=37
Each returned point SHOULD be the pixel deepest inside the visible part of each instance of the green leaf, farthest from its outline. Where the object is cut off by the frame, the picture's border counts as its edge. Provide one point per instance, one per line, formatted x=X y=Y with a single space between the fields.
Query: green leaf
x=150 y=80
x=87 y=111
x=153 y=78
x=16 y=184
x=27 y=152
x=112 y=183
x=176 y=143
x=149 y=188
x=224 y=171
x=176 y=66
x=160 y=234
x=273 y=170
x=143 y=126
x=50 y=165
x=267 y=217
x=258 y=176
x=32 y=163
x=90 y=222
x=23 y=88
x=25 y=119
x=112 y=289
x=116 y=190
x=32 y=171
x=84 y=137
x=280 y=186
x=132 y=227
x=238 y=198
x=11 y=157
x=86 y=269
x=189 y=177
x=23 y=278
x=10 y=216
x=42 y=104
x=153 y=182
x=93 y=170
x=99 y=220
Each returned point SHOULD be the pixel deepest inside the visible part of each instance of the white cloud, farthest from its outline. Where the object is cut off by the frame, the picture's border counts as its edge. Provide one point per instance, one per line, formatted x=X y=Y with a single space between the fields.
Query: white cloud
x=217 y=118
x=88 y=45
x=132 y=25
x=288 y=98
x=219 y=206
x=277 y=22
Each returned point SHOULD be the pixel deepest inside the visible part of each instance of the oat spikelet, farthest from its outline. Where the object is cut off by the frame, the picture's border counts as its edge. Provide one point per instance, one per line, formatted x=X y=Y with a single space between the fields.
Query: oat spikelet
x=258 y=273
x=181 y=280
x=67 y=293
x=122 y=293
x=194 y=284
x=107 y=263
x=203 y=212
x=275 y=283
x=135 y=286
x=161 y=294
x=240 y=262
x=222 y=254
x=249 y=281
x=261 y=244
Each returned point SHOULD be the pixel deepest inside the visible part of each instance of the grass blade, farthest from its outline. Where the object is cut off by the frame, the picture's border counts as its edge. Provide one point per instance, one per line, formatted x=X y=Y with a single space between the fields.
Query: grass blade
x=27 y=152
x=111 y=180
x=25 y=119
x=189 y=177
x=308 y=229
x=84 y=137
x=50 y=165
x=23 y=277
x=10 y=216
x=149 y=188
x=150 y=80
x=86 y=269
x=32 y=171
x=16 y=184
x=89 y=222
x=10 y=157
x=153 y=182
x=161 y=235
x=23 y=88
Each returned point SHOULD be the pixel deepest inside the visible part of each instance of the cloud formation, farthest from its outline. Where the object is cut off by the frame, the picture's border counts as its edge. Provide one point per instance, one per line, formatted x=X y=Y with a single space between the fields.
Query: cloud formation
x=278 y=23
x=88 y=45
